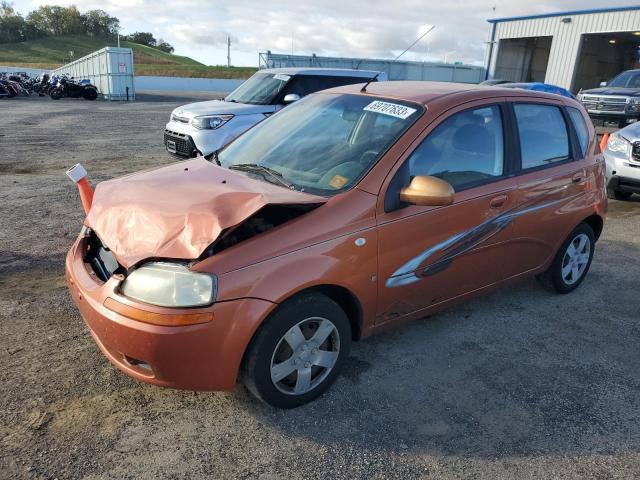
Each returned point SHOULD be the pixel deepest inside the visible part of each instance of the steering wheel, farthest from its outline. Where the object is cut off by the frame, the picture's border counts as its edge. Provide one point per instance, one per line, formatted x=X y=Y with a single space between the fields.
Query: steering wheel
x=368 y=157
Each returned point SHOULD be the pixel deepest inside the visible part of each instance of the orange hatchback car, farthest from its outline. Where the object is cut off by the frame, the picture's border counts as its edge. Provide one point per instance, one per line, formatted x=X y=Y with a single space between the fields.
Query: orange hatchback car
x=350 y=211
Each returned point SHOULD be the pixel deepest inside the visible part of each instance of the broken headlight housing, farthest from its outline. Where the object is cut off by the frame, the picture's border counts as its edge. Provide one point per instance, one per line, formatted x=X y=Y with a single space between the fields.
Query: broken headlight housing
x=210 y=122
x=167 y=284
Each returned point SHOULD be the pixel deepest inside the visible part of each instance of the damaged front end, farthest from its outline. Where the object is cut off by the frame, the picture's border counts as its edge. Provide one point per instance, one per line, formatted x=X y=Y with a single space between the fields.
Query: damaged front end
x=267 y=218
x=150 y=228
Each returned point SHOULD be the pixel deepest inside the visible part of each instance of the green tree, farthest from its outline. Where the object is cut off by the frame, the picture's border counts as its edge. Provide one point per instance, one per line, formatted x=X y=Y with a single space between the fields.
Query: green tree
x=164 y=46
x=143 y=38
x=99 y=23
x=12 y=25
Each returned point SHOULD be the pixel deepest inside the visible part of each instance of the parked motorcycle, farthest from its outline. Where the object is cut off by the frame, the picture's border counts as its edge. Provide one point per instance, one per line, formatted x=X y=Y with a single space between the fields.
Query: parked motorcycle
x=68 y=87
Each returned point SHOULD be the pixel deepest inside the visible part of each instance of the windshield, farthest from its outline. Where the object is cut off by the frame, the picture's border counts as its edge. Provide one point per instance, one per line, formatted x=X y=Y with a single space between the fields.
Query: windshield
x=626 y=80
x=322 y=144
x=260 y=89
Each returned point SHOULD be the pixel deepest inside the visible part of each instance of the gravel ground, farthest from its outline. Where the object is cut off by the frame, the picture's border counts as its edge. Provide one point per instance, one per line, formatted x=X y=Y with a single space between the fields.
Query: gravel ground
x=518 y=384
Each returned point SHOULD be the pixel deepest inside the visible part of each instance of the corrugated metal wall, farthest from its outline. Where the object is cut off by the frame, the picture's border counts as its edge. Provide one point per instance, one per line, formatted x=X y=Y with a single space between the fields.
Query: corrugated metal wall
x=565 y=46
x=442 y=72
x=109 y=69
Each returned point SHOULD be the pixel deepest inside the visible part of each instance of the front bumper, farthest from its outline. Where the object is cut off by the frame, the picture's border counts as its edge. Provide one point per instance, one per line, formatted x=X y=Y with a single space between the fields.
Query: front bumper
x=179 y=144
x=206 y=356
x=603 y=119
x=622 y=173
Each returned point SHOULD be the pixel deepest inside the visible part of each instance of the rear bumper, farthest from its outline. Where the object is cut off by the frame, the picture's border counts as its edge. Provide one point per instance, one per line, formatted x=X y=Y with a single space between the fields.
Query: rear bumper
x=205 y=356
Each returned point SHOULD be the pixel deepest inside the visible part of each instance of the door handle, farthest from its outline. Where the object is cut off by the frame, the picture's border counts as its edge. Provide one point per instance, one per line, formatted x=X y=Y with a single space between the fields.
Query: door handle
x=577 y=178
x=498 y=201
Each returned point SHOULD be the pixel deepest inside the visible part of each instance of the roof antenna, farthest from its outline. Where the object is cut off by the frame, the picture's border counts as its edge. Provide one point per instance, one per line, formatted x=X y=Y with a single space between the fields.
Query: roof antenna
x=373 y=79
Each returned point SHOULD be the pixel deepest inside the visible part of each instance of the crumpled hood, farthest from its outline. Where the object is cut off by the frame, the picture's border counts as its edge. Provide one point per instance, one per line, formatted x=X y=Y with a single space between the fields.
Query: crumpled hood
x=179 y=210
x=220 y=107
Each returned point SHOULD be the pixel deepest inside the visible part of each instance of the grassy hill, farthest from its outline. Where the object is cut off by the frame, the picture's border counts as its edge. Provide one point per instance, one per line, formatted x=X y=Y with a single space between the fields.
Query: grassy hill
x=52 y=52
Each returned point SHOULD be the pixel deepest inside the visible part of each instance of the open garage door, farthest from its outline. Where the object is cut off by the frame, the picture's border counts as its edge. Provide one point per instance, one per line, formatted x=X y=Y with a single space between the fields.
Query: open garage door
x=523 y=59
x=603 y=56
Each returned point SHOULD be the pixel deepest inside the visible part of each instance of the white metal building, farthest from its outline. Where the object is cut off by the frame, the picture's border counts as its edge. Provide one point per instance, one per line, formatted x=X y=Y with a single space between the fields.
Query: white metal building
x=110 y=69
x=574 y=50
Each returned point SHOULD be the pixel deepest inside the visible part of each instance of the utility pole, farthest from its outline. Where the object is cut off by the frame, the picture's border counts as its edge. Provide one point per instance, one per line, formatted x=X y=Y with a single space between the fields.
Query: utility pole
x=228 y=51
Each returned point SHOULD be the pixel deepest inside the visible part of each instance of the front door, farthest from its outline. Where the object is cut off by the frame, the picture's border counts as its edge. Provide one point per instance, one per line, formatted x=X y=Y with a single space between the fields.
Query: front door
x=431 y=254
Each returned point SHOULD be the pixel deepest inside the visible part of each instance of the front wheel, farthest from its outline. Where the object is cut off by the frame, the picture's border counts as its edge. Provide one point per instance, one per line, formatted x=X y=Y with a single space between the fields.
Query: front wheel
x=617 y=194
x=298 y=352
x=56 y=94
x=90 y=94
x=572 y=261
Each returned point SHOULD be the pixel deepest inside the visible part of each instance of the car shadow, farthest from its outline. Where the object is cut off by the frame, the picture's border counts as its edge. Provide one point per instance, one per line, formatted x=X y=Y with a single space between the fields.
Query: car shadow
x=519 y=372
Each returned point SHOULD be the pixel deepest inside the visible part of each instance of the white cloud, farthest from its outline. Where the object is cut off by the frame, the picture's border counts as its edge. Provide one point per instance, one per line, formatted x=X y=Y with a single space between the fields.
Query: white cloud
x=373 y=28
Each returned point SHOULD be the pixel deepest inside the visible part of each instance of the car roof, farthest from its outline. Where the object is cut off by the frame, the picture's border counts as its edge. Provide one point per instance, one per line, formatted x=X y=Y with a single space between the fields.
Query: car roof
x=333 y=72
x=425 y=92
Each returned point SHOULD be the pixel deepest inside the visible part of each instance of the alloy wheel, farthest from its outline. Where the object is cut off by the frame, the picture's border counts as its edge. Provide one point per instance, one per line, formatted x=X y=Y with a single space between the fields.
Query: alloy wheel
x=305 y=356
x=576 y=259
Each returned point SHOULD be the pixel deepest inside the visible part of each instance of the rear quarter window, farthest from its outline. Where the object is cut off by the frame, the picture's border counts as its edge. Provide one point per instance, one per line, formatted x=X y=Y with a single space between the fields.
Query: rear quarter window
x=544 y=138
x=580 y=127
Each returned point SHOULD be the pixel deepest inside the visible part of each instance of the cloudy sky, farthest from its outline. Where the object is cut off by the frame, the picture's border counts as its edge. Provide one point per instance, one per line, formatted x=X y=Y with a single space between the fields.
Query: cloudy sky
x=373 y=28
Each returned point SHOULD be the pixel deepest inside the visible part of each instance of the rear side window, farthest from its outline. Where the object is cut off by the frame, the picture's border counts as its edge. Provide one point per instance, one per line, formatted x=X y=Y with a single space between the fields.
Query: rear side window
x=465 y=150
x=544 y=138
x=307 y=84
x=580 y=127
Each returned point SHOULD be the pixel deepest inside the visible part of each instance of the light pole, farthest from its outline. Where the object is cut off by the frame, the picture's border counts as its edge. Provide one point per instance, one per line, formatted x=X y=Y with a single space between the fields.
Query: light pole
x=446 y=55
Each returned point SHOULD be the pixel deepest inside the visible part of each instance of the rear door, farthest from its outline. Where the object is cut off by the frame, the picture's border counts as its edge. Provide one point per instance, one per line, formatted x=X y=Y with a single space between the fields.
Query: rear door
x=552 y=182
x=428 y=255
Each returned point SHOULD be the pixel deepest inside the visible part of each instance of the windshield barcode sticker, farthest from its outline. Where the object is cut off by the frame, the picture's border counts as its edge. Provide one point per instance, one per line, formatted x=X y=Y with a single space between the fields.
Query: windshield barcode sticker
x=392 y=109
x=284 y=78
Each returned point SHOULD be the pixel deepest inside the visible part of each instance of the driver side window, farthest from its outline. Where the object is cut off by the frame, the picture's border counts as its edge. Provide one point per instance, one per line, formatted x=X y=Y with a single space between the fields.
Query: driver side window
x=465 y=150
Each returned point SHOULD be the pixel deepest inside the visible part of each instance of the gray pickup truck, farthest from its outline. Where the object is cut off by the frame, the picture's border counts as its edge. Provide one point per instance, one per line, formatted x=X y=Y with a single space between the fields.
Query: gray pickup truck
x=616 y=103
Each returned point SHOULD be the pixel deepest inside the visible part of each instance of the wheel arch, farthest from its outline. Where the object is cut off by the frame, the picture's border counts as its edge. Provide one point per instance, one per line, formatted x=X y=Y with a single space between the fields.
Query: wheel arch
x=346 y=299
x=596 y=223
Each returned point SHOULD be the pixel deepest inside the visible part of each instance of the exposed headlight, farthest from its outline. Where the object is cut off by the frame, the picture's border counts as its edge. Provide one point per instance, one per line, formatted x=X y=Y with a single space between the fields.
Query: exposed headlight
x=210 y=122
x=170 y=285
x=579 y=97
x=633 y=104
x=619 y=146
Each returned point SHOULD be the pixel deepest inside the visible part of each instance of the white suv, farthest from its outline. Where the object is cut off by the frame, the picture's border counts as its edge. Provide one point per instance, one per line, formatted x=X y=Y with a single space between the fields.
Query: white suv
x=204 y=127
x=622 y=156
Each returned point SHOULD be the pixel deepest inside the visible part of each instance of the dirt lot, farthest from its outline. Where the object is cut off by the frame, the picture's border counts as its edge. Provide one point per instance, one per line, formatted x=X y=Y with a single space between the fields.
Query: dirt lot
x=519 y=384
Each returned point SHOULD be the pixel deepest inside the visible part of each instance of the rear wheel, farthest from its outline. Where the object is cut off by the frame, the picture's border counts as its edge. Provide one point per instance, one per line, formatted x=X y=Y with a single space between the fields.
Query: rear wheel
x=572 y=262
x=298 y=352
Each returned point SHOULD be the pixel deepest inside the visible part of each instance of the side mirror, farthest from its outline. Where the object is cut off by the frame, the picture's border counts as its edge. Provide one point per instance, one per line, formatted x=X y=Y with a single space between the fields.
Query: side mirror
x=428 y=192
x=290 y=98
x=603 y=84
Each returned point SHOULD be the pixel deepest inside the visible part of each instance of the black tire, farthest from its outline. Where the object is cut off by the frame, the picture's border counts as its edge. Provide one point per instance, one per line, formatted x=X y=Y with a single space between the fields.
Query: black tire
x=553 y=278
x=90 y=94
x=618 y=195
x=56 y=94
x=269 y=341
